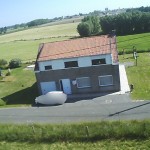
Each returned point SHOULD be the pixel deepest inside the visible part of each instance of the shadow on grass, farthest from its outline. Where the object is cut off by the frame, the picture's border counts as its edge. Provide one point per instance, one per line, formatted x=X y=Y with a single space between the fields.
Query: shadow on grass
x=25 y=96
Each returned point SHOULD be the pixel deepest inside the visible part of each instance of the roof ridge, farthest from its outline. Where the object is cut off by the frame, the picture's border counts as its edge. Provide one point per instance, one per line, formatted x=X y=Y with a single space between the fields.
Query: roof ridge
x=77 y=38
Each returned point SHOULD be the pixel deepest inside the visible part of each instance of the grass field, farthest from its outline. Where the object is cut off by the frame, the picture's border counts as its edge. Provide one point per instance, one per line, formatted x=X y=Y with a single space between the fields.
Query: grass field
x=140 y=41
x=139 y=75
x=101 y=135
x=19 y=87
x=24 y=44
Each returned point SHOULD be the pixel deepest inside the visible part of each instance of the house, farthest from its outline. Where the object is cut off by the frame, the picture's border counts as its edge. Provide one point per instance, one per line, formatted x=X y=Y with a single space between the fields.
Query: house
x=83 y=65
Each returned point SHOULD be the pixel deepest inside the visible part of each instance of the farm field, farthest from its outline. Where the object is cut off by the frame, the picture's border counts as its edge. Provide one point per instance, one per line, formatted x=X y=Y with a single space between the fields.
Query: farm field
x=24 y=44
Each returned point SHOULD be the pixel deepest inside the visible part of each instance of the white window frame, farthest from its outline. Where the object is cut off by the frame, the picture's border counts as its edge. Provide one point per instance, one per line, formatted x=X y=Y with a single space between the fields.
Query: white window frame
x=82 y=86
x=103 y=77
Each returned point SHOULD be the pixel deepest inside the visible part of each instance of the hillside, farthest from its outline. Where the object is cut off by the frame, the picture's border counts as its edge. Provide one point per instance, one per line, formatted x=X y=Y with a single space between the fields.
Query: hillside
x=24 y=44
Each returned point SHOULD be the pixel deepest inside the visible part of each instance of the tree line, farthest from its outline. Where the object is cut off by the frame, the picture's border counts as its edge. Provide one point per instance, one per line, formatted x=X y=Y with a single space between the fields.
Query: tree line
x=3 y=30
x=131 y=22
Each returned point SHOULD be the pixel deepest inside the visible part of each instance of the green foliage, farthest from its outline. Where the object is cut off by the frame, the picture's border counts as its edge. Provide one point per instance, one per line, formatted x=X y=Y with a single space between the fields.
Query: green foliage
x=3 y=30
x=15 y=63
x=3 y=63
x=84 y=29
x=142 y=9
x=126 y=23
x=38 y=22
x=89 y=26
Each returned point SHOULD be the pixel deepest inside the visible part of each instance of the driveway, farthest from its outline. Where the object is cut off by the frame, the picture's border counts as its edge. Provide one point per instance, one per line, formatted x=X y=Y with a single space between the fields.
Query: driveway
x=110 y=107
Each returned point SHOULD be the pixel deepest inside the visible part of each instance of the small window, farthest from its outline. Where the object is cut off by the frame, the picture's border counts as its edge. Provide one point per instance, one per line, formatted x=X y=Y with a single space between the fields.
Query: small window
x=48 y=67
x=83 y=82
x=70 y=64
x=105 y=80
x=98 y=61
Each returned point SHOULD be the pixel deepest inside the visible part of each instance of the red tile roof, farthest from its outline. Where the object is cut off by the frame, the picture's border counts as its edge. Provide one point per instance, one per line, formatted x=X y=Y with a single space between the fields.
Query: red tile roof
x=96 y=45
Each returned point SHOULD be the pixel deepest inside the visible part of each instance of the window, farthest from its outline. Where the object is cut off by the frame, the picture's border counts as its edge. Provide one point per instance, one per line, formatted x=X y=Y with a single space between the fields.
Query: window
x=83 y=82
x=105 y=80
x=70 y=64
x=48 y=67
x=98 y=61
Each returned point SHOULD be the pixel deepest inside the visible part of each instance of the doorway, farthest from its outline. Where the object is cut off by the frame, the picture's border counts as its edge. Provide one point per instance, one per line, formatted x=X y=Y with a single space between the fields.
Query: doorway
x=65 y=86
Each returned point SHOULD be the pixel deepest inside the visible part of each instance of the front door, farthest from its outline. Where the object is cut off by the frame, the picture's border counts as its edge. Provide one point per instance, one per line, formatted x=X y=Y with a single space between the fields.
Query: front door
x=65 y=86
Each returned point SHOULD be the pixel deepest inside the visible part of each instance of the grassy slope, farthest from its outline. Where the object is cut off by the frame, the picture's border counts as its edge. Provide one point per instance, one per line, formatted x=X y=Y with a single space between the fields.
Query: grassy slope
x=140 y=41
x=24 y=44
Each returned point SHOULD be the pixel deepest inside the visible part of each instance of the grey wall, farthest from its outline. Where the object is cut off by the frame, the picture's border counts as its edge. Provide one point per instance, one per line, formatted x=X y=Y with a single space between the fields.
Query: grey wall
x=73 y=73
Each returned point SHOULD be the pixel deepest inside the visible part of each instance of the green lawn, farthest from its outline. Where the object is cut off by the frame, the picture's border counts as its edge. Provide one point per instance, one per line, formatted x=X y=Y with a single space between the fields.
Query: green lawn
x=139 y=75
x=140 y=41
x=19 y=87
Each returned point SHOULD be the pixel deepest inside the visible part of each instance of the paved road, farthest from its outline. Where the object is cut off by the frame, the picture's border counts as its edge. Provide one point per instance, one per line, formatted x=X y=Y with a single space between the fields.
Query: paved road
x=110 y=107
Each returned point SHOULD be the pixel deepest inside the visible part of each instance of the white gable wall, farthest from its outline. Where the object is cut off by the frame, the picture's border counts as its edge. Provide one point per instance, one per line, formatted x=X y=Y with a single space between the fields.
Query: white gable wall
x=82 y=62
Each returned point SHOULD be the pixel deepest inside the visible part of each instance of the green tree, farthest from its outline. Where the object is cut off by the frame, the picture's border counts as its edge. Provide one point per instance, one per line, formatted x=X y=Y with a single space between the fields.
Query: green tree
x=89 y=26
x=126 y=23
x=15 y=63
x=84 y=29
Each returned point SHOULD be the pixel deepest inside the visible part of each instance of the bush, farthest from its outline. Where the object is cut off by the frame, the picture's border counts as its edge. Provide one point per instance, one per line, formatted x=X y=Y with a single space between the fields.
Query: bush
x=3 y=62
x=15 y=63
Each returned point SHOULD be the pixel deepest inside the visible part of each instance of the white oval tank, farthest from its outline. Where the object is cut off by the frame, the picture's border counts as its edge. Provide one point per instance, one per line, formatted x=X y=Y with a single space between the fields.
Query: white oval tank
x=52 y=98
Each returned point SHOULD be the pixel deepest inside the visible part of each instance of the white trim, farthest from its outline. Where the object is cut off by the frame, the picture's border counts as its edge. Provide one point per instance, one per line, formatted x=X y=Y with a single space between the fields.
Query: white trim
x=82 y=86
x=105 y=76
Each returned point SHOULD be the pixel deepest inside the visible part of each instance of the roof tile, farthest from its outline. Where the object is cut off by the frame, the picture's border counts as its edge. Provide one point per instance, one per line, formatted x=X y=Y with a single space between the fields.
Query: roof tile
x=79 y=47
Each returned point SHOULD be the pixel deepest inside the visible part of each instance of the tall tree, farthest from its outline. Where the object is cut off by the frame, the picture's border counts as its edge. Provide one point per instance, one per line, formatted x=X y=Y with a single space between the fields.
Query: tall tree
x=91 y=25
x=84 y=29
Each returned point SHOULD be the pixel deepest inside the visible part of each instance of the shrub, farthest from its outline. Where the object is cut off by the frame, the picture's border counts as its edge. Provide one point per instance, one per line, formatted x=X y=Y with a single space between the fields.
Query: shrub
x=3 y=62
x=15 y=63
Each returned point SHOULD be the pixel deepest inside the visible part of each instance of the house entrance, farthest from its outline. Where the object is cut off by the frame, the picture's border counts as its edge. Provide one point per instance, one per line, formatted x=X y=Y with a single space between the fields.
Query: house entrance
x=65 y=86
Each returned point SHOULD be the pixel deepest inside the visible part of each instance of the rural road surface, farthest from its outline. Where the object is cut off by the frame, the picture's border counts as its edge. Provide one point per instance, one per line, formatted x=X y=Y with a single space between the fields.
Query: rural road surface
x=109 y=107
